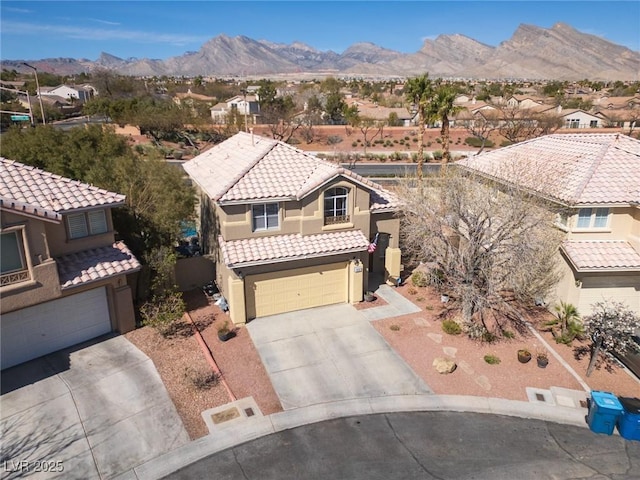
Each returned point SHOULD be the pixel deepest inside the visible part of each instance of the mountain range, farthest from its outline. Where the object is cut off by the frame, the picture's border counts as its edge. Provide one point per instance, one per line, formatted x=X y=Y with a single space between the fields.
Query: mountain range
x=559 y=53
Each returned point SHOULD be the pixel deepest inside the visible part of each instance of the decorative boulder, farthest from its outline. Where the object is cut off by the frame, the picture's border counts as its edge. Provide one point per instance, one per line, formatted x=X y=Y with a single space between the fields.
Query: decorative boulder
x=444 y=365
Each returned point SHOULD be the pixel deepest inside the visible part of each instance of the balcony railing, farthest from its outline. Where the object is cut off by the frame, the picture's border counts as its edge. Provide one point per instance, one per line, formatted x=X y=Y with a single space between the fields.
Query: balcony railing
x=14 y=277
x=336 y=220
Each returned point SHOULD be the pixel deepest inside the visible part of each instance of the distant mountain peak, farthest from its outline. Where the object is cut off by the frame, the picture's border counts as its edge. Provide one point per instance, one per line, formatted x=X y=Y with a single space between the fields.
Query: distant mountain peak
x=560 y=52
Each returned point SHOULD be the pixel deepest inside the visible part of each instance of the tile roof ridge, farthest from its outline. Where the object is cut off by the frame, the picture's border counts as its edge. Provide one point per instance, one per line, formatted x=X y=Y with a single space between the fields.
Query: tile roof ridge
x=55 y=176
x=231 y=183
x=592 y=170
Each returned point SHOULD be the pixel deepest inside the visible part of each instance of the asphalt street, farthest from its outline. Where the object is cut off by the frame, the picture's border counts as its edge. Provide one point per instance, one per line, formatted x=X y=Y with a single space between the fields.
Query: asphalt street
x=426 y=445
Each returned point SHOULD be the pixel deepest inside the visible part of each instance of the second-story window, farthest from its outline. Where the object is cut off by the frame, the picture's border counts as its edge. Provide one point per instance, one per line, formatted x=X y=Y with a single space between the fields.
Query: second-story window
x=265 y=216
x=87 y=223
x=335 y=206
x=593 y=218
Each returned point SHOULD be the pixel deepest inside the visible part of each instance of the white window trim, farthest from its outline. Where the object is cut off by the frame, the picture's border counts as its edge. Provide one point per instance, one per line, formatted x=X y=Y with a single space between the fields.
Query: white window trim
x=592 y=220
x=265 y=216
x=346 y=215
x=92 y=225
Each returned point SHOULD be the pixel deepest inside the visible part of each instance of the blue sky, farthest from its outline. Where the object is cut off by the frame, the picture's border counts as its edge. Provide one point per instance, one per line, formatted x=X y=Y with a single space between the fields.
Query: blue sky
x=161 y=29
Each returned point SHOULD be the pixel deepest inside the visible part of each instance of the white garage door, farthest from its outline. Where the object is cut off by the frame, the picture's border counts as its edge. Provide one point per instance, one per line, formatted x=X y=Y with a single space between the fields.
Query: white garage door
x=35 y=331
x=289 y=290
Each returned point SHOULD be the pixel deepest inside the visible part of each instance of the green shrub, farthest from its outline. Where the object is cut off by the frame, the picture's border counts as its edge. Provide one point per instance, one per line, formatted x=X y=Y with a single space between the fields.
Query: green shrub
x=394 y=327
x=451 y=327
x=488 y=337
x=412 y=291
x=406 y=138
x=419 y=299
x=506 y=143
x=415 y=140
x=508 y=334
x=438 y=154
x=354 y=144
x=491 y=359
x=438 y=140
x=476 y=142
x=419 y=279
x=163 y=312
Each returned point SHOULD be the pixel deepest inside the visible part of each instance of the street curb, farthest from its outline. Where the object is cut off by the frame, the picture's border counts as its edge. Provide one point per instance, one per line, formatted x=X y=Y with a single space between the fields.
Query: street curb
x=258 y=427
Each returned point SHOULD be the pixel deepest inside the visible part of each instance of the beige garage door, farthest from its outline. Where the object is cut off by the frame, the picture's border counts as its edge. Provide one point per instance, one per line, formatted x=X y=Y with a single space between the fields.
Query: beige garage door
x=289 y=290
x=620 y=289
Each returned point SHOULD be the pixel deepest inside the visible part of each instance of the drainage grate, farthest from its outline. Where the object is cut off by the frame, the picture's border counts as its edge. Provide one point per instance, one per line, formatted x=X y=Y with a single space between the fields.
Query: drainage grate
x=540 y=397
x=249 y=412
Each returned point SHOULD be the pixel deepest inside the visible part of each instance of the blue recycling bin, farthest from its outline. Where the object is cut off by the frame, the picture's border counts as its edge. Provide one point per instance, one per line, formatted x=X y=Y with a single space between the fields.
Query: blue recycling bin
x=604 y=411
x=629 y=421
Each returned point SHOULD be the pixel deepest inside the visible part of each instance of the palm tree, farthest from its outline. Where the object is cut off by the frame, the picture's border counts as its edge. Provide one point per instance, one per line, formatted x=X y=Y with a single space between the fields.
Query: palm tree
x=442 y=107
x=418 y=91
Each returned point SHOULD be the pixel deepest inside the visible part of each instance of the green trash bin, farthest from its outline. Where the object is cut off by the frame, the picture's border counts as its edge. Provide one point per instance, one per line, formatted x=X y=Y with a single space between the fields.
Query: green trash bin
x=604 y=411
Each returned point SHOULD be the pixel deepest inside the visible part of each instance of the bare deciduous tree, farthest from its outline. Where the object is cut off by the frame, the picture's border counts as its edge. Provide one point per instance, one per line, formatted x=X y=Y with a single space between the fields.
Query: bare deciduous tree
x=482 y=126
x=518 y=125
x=488 y=244
x=610 y=326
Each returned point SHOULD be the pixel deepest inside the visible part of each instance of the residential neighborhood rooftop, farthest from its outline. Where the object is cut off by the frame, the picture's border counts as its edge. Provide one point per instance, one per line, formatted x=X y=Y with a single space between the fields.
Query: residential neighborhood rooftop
x=95 y=264
x=602 y=255
x=249 y=167
x=36 y=192
x=573 y=169
x=254 y=251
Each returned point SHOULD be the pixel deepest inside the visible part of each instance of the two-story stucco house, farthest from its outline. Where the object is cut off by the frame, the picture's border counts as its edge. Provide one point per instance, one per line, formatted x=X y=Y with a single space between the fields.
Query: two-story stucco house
x=288 y=230
x=63 y=277
x=593 y=181
x=247 y=106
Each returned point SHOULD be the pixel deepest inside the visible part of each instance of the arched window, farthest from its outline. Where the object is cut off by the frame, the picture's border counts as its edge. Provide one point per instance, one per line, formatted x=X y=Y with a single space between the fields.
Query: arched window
x=335 y=205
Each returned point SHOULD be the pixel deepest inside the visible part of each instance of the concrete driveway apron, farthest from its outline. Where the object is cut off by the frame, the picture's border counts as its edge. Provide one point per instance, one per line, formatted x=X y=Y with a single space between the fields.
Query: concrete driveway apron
x=90 y=411
x=327 y=354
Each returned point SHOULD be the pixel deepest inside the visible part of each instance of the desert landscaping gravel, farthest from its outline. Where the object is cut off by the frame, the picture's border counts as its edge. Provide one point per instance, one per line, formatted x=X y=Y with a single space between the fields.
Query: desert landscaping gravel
x=418 y=338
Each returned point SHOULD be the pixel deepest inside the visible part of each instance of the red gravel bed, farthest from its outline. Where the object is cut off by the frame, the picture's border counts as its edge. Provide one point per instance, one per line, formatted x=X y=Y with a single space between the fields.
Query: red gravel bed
x=509 y=378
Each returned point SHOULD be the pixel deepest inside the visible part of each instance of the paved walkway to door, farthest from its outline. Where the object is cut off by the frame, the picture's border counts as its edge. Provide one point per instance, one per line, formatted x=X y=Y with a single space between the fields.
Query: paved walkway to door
x=328 y=354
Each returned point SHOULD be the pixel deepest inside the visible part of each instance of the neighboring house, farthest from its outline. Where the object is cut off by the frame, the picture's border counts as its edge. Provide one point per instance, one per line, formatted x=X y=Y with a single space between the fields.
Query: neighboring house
x=188 y=98
x=523 y=101
x=81 y=94
x=381 y=114
x=63 y=277
x=288 y=230
x=576 y=118
x=593 y=181
x=244 y=105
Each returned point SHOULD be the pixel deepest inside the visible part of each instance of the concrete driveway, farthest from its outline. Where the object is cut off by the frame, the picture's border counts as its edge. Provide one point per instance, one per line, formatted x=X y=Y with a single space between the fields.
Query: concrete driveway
x=328 y=354
x=91 y=411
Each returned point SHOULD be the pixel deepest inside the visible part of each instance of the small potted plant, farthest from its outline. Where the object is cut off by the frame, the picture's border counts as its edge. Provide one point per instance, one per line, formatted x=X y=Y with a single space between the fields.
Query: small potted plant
x=369 y=296
x=524 y=355
x=542 y=359
x=224 y=333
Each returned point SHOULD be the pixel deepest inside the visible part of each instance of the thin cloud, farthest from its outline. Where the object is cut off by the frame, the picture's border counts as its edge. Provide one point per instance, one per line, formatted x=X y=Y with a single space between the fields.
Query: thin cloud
x=16 y=10
x=104 y=22
x=98 y=34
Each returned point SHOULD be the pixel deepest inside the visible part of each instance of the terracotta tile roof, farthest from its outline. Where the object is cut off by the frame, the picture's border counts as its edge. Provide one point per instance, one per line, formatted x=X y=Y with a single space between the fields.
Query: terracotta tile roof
x=602 y=255
x=282 y=248
x=249 y=168
x=33 y=190
x=95 y=264
x=573 y=169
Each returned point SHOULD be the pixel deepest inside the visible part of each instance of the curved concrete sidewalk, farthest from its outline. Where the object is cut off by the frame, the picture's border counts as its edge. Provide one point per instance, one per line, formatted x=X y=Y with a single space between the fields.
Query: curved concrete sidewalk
x=256 y=427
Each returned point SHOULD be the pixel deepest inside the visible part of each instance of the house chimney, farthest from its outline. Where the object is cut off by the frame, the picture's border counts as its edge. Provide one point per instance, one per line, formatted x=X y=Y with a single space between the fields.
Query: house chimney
x=253 y=143
x=559 y=109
